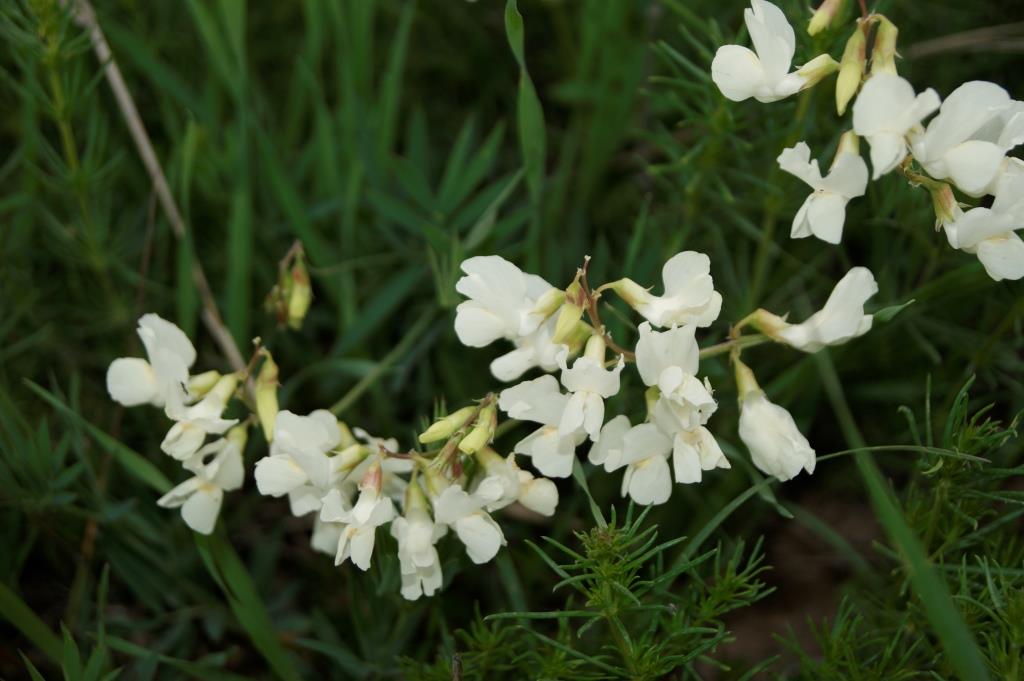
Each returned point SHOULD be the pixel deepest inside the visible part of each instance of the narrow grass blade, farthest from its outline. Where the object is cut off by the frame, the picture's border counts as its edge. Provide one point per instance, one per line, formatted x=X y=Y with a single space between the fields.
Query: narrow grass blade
x=21 y=617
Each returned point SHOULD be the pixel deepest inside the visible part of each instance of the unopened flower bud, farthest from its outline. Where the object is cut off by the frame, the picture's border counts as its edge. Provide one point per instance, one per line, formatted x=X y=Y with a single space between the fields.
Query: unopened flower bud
x=570 y=313
x=224 y=388
x=435 y=480
x=746 y=383
x=632 y=293
x=595 y=348
x=239 y=435
x=578 y=337
x=482 y=432
x=349 y=457
x=200 y=384
x=443 y=428
x=266 y=396
x=548 y=303
x=883 y=54
x=490 y=460
x=851 y=68
x=347 y=439
x=816 y=69
x=415 y=499
x=824 y=15
x=301 y=295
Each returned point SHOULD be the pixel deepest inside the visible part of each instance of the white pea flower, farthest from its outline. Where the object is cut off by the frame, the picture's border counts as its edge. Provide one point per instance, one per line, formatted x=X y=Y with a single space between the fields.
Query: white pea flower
x=465 y=514
x=669 y=360
x=201 y=496
x=589 y=384
x=503 y=301
x=991 y=232
x=540 y=400
x=694 y=448
x=824 y=212
x=644 y=451
x=690 y=296
x=840 y=320
x=392 y=468
x=764 y=73
x=777 y=447
x=417 y=533
x=506 y=483
x=325 y=536
x=132 y=381
x=885 y=112
x=298 y=464
x=193 y=423
x=969 y=138
x=361 y=521
x=532 y=350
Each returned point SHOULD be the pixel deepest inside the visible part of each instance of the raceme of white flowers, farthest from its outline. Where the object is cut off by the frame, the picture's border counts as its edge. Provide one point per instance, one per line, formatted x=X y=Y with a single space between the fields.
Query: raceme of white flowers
x=351 y=483
x=964 y=145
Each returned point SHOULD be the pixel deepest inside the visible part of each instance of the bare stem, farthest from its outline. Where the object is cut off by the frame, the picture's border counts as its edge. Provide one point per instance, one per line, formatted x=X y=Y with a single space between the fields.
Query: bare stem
x=85 y=16
x=591 y=298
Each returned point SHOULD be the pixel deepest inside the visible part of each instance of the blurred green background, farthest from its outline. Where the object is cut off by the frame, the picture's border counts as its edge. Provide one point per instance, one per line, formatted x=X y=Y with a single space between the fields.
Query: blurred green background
x=383 y=135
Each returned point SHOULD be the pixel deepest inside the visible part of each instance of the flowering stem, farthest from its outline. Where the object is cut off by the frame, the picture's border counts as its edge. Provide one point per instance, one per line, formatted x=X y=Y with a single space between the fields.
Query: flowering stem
x=733 y=345
x=595 y=316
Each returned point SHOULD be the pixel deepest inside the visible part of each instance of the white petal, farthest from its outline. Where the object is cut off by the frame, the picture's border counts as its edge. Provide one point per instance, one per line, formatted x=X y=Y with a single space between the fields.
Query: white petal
x=304 y=499
x=796 y=160
x=278 y=475
x=973 y=165
x=738 y=73
x=848 y=176
x=481 y=535
x=887 y=151
x=131 y=382
x=611 y=439
x=201 y=510
x=826 y=213
x=650 y=481
x=155 y=331
x=686 y=462
x=477 y=327
x=540 y=495
x=183 y=440
x=1003 y=258
x=772 y=36
x=539 y=400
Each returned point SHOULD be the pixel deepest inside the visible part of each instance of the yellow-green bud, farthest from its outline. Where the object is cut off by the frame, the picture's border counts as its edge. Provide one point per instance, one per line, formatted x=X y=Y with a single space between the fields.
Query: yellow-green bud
x=632 y=293
x=570 y=313
x=347 y=439
x=746 y=383
x=578 y=337
x=443 y=428
x=766 y=322
x=349 y=457
x=415 y=499
x=816 y=69
x=483 y=431
x=549 y=302
x=200 y=384
x=849 y=143
x=489 y=459
x=947 y=208
x=266 y=396
x=883 y=53
x=824 y=15
x=595 y=348
x=239 y=435
x=224 y=388
x=851 y=68
x=301 y=295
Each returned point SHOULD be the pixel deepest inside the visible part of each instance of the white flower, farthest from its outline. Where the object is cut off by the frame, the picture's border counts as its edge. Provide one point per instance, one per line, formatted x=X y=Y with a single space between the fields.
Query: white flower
x=589 y=384
x=740 y=73
x=420 y=564
x=824 y=211
x=644 y=451
x=990 y=232
x=325 y=536
x=502 y=301
x=506 y=483
x=200 y=497
x=669 y=361
x=541 y=401
x=193 y=423
x=694 y=448
x=776 y=446
x=968 y=139
x=298 y=464
x=474 y=527
x=132 y=381
x=840 y=320
x=885 y=112
x=392 y=468
x=532 y=350
x=361 y=521
x=689 y=298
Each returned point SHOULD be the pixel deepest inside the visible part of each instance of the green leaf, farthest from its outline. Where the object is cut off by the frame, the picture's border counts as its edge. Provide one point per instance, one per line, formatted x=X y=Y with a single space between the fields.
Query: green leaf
x=234 y=580
x=887 y=313
x=929 y=586
x=22 y=618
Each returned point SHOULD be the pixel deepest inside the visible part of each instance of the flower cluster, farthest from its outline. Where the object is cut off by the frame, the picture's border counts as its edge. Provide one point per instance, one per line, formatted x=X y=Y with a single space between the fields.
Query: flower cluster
x=965 y=145
x=672 y=440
